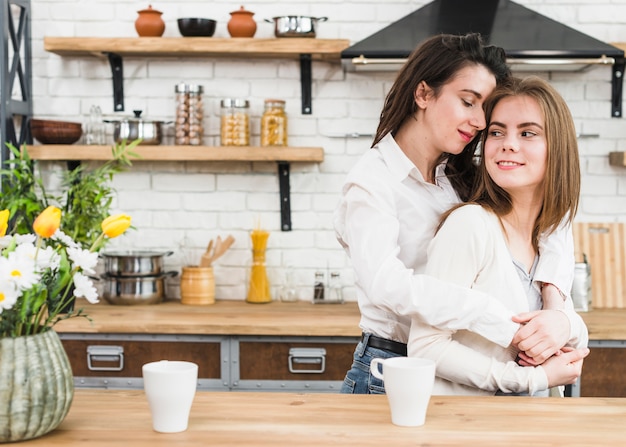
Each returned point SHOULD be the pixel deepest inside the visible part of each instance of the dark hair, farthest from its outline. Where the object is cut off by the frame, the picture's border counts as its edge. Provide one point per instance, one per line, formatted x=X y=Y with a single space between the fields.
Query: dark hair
x=436 y=61
x=562 y=180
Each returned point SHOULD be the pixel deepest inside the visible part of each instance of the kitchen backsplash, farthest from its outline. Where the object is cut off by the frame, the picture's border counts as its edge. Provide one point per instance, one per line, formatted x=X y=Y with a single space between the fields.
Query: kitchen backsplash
x=182 y=205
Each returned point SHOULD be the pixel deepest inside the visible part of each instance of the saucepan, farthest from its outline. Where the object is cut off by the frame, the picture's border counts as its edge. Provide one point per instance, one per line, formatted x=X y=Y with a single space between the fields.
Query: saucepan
x=134 y=262
x=132 y=290
x=130 y=129
x=295 y=26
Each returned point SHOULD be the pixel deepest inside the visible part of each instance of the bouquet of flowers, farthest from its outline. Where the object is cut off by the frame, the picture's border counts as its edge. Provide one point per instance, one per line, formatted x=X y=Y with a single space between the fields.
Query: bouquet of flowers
x=41 y=272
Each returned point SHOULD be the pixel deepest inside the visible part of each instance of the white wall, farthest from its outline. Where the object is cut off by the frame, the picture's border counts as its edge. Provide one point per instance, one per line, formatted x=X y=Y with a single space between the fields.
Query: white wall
x=180 y=206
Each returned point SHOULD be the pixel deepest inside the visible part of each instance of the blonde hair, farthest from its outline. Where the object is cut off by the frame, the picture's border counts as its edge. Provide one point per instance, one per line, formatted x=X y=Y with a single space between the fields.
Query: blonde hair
x=562 y=179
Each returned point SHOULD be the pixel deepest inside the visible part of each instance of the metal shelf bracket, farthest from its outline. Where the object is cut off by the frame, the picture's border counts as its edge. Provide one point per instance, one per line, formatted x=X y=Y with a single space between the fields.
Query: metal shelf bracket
x=617 y=84
x=285 y=203
x=305 y=83
x=117 y=70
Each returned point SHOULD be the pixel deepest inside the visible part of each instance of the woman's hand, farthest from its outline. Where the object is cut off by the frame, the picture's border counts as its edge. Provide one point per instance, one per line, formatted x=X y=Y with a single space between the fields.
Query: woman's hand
x=543 y=334
x=565 y=369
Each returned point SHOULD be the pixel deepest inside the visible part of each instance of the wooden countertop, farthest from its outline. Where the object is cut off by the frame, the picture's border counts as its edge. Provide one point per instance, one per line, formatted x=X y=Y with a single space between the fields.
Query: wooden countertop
x=107 y=418
x=222 y=318
x=275 y=318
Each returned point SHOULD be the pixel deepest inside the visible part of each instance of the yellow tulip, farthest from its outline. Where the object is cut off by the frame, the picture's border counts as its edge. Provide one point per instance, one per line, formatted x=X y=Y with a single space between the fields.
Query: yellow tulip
x=115 y=225
x=4 y=222
x=48 y=222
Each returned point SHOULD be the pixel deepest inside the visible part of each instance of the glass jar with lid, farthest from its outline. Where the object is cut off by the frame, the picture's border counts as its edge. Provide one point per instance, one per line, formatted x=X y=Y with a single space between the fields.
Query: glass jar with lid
x=274 y=123
x=235 y=122
x=188 y=127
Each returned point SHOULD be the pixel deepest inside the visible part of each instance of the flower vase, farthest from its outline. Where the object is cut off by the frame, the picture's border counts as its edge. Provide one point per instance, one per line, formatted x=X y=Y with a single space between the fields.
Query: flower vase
x=36 y=385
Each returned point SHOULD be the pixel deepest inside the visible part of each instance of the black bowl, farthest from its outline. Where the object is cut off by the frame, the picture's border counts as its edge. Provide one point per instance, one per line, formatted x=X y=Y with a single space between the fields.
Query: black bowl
x=195 y=27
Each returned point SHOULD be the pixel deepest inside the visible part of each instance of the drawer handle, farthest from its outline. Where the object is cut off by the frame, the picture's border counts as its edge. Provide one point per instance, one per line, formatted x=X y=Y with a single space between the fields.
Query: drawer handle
x=308 y=356
x=105 y=354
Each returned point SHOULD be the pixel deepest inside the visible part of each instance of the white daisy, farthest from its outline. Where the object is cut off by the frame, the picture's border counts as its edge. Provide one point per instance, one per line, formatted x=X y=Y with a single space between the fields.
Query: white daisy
x=84 y=259
x=22 y=271
x=85 y=288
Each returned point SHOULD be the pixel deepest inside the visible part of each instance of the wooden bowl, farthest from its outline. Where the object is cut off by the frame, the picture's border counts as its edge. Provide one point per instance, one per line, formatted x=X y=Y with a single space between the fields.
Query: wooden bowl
x=55 y=132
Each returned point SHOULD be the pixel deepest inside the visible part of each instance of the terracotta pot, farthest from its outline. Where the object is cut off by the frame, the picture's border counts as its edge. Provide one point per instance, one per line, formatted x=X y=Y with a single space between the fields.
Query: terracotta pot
x=149 y=23
x=241 y=23
x=36 y=386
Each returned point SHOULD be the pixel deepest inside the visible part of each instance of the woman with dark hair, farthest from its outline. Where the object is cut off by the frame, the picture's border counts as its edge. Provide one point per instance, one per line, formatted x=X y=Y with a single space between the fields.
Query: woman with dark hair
x=527 y=185
x=420 y=166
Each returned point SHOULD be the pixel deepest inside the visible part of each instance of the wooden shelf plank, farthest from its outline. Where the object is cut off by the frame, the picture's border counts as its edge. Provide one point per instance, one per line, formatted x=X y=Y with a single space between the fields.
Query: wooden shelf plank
x=617 y=159
x=196 y=46
x=180 y=153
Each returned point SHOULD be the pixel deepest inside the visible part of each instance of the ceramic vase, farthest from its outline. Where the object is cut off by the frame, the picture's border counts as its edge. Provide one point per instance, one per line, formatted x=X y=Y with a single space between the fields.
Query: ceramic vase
x=36 y=386
x=241 y=23
x=149 y=23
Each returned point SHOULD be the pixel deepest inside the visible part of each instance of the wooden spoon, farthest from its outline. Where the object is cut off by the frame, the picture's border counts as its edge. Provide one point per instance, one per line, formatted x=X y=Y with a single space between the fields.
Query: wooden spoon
x=205 y=261
x=222 y=246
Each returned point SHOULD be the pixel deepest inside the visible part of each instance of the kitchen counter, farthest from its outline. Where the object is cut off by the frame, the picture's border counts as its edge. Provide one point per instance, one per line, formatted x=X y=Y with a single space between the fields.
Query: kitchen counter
x=275 y=318
x=100 y=418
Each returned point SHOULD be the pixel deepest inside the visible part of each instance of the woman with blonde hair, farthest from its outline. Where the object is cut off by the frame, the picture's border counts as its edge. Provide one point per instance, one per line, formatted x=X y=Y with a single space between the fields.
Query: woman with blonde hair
x=527 y=185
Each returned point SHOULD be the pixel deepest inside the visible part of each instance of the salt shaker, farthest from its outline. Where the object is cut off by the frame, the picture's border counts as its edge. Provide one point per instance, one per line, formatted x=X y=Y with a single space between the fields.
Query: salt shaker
x=335 y=293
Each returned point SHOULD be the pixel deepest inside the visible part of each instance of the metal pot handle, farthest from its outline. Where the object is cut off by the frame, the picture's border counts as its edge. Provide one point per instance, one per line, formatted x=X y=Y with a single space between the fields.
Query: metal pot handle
x=269 y=20
x=321 y=19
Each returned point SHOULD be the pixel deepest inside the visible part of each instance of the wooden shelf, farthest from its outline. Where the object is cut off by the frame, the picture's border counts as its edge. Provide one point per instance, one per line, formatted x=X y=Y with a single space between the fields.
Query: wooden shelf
x=115 y=48
x=196 y=46
x=73 y=152
x=617 y=159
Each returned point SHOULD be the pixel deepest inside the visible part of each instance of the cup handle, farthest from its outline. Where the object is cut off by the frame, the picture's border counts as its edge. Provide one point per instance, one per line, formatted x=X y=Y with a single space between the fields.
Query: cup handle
x=374 y=368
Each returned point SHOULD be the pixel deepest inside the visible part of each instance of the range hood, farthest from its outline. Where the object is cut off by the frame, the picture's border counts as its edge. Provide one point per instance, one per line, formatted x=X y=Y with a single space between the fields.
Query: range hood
x=532 y=42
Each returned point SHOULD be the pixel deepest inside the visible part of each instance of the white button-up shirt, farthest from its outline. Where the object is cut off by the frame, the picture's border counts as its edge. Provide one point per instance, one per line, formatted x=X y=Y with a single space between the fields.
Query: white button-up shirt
x=385 y=220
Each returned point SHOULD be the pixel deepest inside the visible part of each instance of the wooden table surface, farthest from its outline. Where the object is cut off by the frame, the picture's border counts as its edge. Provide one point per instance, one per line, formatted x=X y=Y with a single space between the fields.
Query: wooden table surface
x=275 y=318
x=100 y=418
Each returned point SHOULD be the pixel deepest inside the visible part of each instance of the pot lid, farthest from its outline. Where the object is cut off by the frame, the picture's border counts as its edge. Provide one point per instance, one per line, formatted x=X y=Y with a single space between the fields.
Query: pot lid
x=150 y=10
x=188 y=88
x=135 y=253
x=137 y=118
x=242 y=10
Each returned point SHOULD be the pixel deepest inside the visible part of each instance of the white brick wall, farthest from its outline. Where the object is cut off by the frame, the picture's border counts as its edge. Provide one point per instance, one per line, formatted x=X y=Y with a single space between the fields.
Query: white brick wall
x=179 y=206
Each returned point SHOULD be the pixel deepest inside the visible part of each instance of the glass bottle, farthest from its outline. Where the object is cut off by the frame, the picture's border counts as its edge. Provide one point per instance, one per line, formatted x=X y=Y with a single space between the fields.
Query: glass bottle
x=319 y=286
x=94 y=132
x=189 y=128
x=274 y=123
x=259 y=289
x=335 y=293
x=235 y=122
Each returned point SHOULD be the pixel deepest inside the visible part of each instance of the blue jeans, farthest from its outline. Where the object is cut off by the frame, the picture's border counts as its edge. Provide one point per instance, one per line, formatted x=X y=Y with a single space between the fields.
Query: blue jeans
x=359 y=380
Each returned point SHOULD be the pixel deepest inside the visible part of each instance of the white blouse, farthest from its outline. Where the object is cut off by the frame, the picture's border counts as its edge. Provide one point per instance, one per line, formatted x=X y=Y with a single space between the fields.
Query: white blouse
x=470 y=250
x=385 y=220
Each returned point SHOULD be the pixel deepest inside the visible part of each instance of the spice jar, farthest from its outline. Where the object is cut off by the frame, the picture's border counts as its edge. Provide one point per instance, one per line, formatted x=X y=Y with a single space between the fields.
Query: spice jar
x=235 y=122
x=189 y=114
x=274 y=123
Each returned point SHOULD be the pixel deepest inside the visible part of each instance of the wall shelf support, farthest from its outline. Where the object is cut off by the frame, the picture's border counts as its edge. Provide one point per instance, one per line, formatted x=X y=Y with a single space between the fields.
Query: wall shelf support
x=117 y=70
x=285 y=201
x=617 y=84
x=305 y=83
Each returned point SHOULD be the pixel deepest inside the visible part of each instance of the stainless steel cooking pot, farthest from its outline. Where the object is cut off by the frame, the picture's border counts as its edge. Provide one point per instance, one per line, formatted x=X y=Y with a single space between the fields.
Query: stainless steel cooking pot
x=133 y=290
x=130 y=129
x=134 y=263
x=295 y=26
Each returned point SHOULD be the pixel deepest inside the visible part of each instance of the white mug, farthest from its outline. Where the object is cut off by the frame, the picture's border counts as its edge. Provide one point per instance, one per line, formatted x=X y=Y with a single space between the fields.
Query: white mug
x=409 y=383
x=170 y=387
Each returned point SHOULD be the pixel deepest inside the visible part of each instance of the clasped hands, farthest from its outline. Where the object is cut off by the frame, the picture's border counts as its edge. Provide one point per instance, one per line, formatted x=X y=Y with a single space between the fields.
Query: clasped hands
x=541 y=341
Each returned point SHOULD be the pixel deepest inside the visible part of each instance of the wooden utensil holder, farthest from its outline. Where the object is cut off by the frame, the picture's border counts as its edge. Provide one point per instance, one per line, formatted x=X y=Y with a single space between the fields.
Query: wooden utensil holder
x=197 y=286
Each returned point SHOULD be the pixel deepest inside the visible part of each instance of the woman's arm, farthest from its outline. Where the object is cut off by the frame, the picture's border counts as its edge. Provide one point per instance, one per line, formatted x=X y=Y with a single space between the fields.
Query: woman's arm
x=367 y=224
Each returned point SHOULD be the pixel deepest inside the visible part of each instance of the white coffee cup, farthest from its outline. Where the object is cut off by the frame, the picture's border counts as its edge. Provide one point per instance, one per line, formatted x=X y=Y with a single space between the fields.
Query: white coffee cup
x=409 y=383
x=170 y=387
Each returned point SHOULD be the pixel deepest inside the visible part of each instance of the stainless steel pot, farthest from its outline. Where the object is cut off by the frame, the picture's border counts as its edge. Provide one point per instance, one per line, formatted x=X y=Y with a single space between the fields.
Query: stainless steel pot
x=133 y=290
x=130 y=129
x=134 y=263
x=295 y=26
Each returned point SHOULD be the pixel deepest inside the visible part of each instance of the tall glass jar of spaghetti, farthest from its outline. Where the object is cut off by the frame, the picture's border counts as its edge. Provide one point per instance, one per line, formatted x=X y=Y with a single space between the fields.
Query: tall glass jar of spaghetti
x=274 y=123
